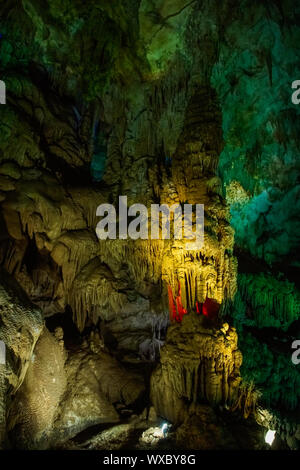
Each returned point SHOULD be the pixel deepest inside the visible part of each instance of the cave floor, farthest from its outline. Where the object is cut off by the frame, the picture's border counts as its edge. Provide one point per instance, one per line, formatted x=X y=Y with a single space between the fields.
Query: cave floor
x=137 y=433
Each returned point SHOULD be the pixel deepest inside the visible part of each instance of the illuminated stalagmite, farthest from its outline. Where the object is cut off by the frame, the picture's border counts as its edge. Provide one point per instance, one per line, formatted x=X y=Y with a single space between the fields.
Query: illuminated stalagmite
x=198 y=364
x=199 y=361
x=211 y=272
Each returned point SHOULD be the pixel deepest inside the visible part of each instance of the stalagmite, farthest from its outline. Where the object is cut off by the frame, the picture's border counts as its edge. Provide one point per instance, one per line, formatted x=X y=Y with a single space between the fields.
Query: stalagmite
x=206 y=367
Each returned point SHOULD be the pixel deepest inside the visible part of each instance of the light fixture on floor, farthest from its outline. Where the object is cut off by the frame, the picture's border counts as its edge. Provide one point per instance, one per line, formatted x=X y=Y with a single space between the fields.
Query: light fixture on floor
x=270 y=436
x=164 y=429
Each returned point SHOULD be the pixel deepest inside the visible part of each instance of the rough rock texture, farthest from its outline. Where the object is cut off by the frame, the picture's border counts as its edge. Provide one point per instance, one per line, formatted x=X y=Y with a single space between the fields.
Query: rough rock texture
x=115 y=437
x=258 y=61
x=198 y=363
x=35 y=404
x=287 y=427
x=50 y=210
x=96 y=382
x=206 y=430
x=63 y=394
x=211 y=271
x=21 y=324
x=162 y=102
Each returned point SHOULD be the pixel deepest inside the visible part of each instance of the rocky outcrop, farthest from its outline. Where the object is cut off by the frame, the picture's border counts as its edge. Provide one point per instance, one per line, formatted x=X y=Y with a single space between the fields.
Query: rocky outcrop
x=96 y=383
x=199 y=363
x=209 y=272
x=208 y=430
x=286 y=427
x=21 y=324
x=35 y=405
x=63 y=394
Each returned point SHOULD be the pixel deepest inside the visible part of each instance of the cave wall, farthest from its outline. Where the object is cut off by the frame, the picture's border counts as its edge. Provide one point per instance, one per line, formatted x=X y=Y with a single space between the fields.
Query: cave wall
x=162 y=102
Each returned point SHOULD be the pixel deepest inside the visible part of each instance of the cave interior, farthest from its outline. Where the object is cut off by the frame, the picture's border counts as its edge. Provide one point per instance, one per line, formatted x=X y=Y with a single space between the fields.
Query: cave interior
x=149 y=342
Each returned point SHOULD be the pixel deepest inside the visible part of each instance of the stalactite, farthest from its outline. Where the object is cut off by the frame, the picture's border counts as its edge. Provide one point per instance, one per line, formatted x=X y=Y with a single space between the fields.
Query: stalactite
x=274 y=303
x=247 y=399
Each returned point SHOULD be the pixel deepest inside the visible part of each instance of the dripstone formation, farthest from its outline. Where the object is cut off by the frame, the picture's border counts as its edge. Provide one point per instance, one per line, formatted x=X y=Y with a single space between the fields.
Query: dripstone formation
x=107 y=339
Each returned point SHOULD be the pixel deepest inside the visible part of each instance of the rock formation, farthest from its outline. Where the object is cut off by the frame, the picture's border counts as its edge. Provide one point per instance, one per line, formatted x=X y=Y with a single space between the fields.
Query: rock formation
x=162 y=103
x=198 y=364
x=21 y=325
